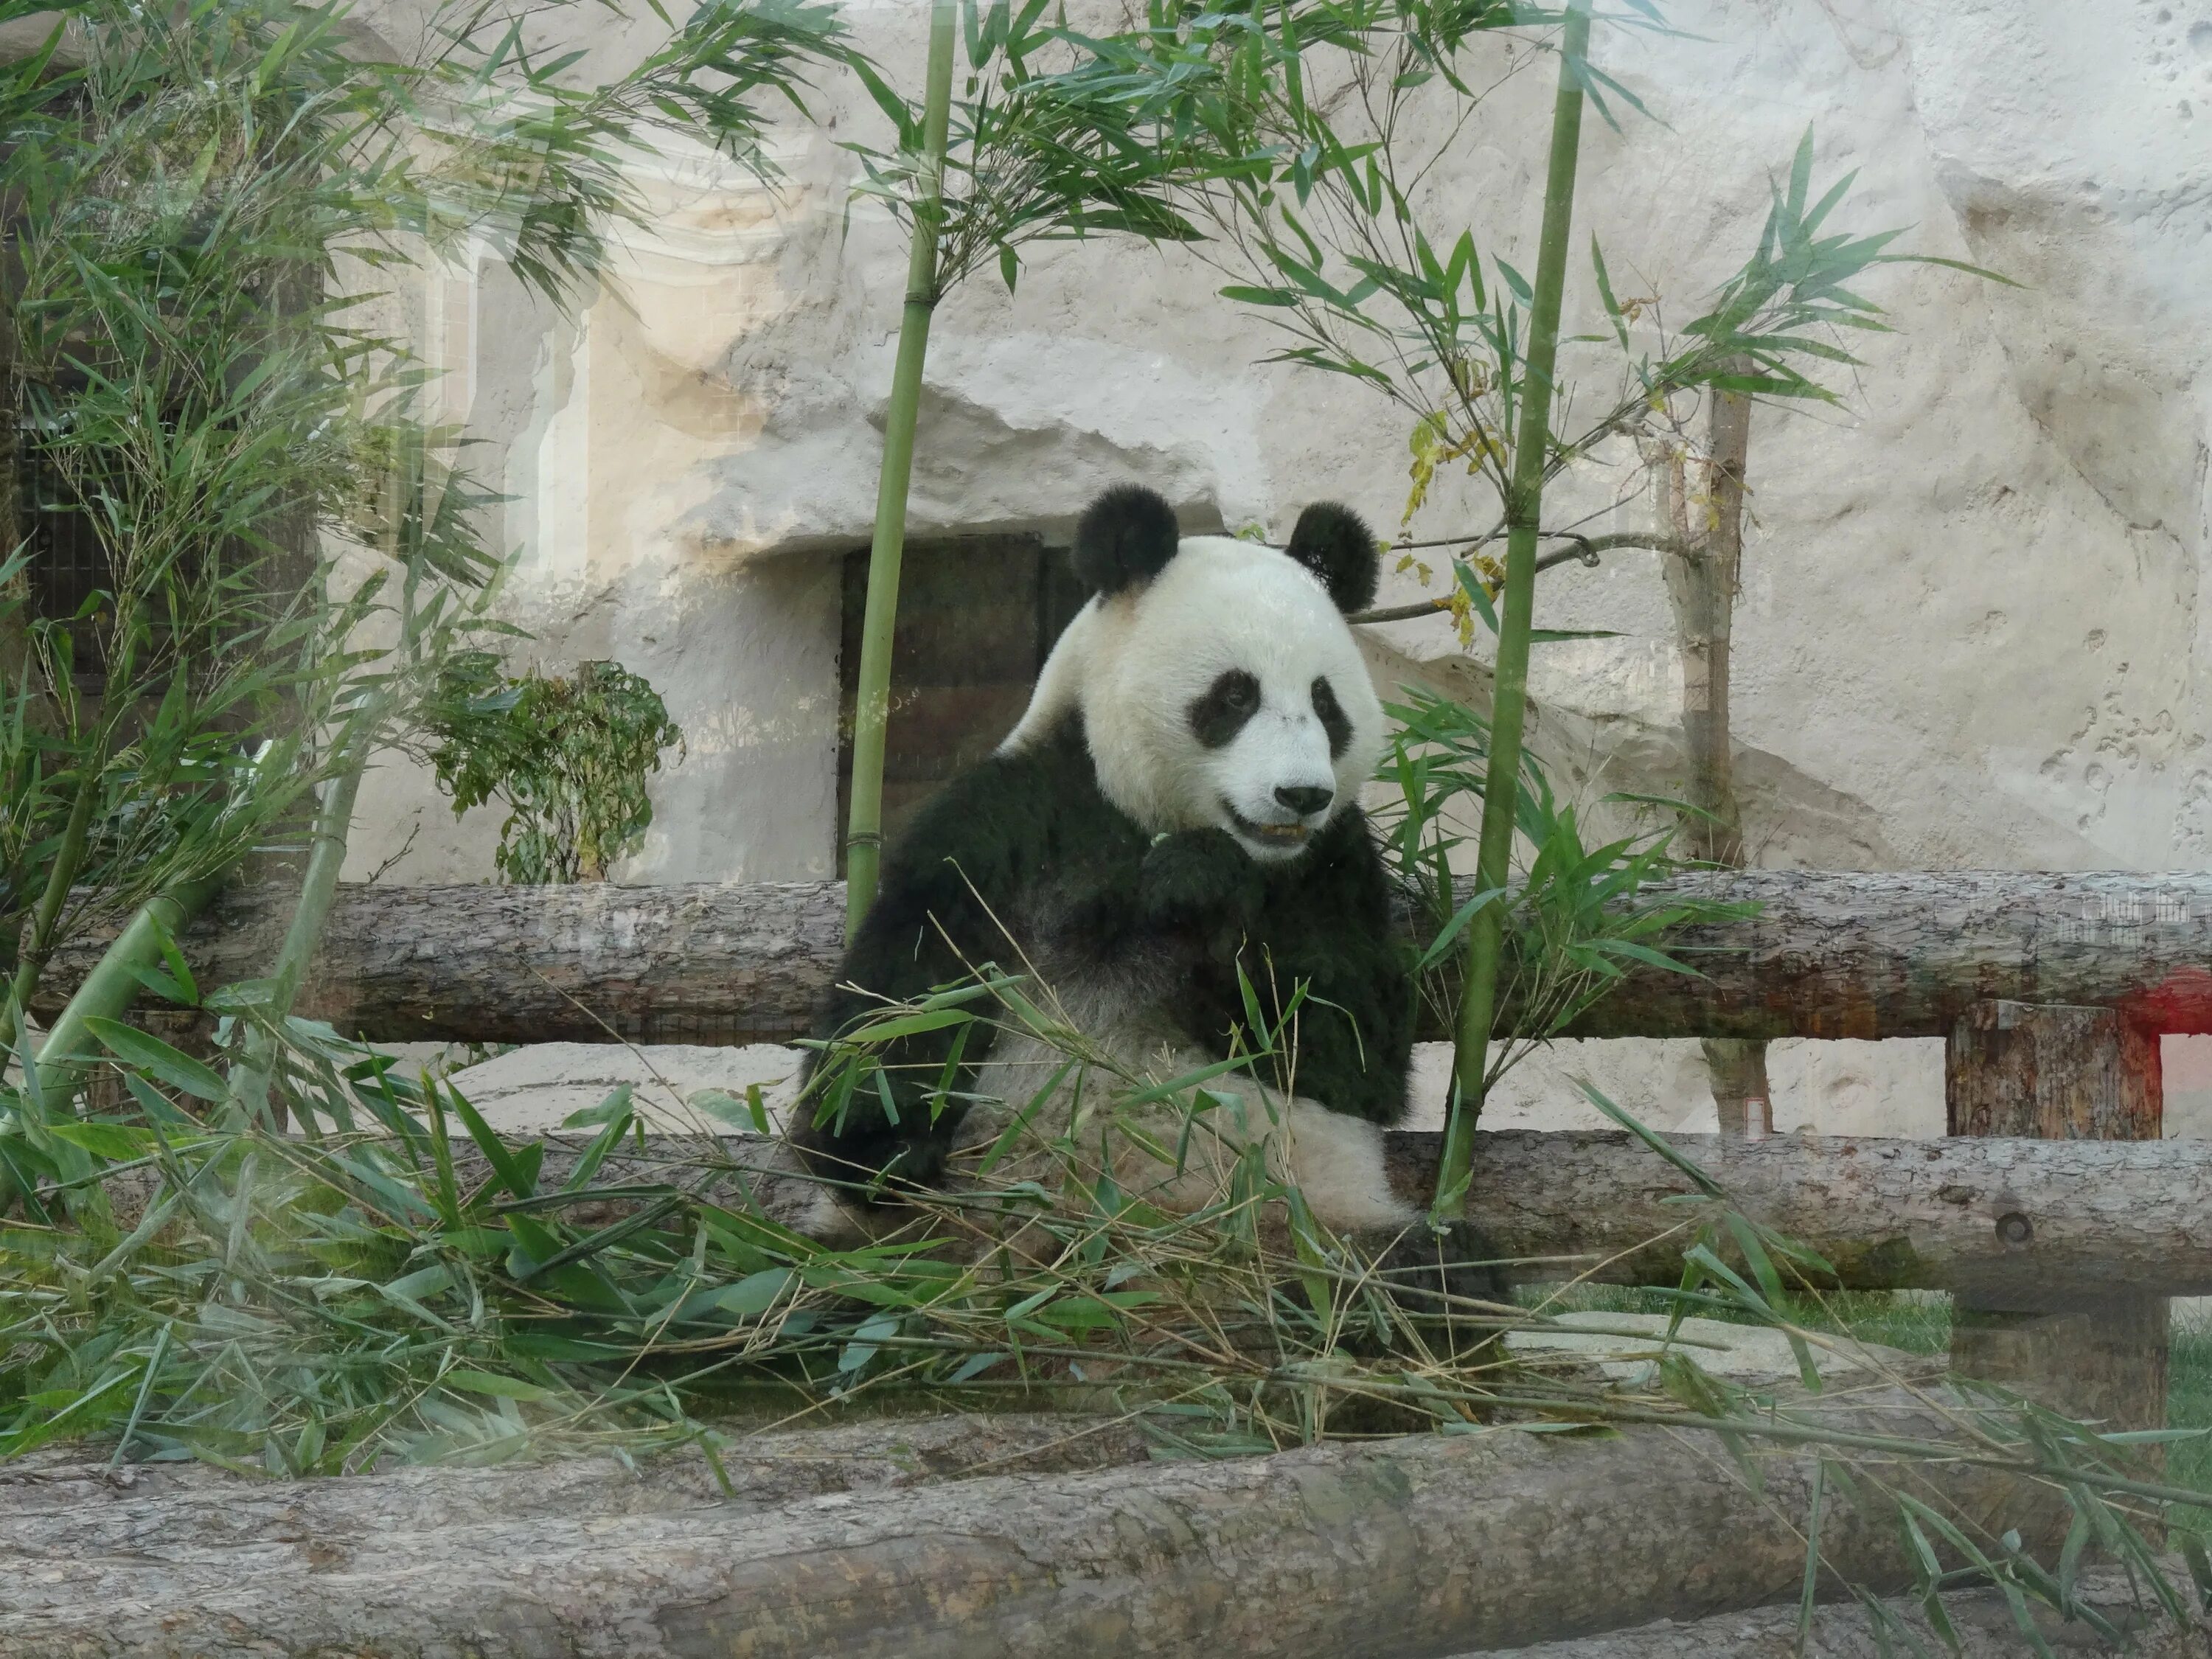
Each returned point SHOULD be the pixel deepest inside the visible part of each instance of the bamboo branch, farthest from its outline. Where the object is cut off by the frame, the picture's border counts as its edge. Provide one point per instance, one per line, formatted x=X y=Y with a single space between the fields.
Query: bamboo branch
x=1523 y=513
x=1584 y=552
x=112 y=985
x=46 y=921
x=871 y=702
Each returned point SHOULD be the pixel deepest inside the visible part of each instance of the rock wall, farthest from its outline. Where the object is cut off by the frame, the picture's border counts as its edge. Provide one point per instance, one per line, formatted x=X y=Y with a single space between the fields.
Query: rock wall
x=1970 y=631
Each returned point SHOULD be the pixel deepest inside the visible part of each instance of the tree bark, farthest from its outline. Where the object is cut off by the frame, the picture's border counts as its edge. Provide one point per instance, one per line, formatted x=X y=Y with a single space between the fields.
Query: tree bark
x=1983 y=1624
x=1958 y=1214
x=1702 y=579
x=2095 y=1350
x=1424 y=1544
x=1828 y=954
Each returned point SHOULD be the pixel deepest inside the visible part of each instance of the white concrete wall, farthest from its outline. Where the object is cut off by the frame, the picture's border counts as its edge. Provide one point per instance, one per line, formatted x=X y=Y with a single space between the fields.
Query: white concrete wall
x=1972 y=631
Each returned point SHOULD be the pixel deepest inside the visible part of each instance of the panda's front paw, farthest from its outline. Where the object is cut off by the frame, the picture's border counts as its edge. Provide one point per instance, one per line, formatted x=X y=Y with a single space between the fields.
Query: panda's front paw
x=1200 y=876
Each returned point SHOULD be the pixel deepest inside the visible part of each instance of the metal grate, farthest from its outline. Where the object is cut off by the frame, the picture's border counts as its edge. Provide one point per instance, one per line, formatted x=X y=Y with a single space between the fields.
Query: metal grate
x=68 y=561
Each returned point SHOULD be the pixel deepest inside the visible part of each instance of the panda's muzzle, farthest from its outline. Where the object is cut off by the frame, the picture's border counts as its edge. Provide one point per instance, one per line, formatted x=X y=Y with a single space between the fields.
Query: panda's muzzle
x=1306 y=800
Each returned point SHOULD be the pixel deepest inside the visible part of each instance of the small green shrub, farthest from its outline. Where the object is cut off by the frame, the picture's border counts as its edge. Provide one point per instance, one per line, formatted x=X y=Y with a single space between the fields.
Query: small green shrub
x=570 y=758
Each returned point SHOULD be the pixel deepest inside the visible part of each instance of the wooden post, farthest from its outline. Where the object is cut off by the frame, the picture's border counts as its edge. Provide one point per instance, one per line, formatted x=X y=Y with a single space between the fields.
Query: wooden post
x=2092 y=1349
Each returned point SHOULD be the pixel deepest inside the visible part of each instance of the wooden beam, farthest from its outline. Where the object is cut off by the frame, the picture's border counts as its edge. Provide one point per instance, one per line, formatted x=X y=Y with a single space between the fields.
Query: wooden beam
x=1424 y=1544
x=1828 y=954
x=2095 y=1350
x=1887 y=1215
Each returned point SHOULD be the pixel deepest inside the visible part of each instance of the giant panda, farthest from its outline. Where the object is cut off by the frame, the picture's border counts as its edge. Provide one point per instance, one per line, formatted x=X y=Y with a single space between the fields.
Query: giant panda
x=1179 y=801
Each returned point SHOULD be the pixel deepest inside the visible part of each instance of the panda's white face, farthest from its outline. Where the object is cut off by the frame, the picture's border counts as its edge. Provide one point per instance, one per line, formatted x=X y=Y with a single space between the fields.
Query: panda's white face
x=1226 y=693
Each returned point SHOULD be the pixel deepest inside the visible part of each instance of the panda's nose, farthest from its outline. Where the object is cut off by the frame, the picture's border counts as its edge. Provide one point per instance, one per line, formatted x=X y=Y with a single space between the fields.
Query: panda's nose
x=1304 y=799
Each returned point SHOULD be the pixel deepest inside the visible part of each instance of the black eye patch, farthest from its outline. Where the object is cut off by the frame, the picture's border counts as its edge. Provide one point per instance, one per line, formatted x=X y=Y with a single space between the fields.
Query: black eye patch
x=1330 y=712
x=1221 y=714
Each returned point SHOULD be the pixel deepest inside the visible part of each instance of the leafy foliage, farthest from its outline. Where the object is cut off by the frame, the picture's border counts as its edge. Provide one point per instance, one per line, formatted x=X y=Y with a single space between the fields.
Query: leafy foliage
x=1331 y=118
x=402 y=1282
x=570 y=757
x=1577 y=917
x=1029 y=158
x=197 y=195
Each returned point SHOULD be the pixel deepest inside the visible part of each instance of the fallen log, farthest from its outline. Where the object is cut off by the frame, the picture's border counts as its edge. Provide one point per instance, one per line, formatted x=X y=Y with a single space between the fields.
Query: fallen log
x=1886 y=1214
x=1828 y=954
x=1956 y=1214
x=1420 y=1545
x=1983 y=1623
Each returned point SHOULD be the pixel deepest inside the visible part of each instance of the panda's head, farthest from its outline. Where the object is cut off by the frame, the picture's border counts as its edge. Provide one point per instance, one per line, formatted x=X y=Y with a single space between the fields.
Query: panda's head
x=1218 y=682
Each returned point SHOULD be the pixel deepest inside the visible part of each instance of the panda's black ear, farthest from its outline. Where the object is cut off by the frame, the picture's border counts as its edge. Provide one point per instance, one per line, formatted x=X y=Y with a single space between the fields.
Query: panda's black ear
x=1332 y=543
x=1124 y=539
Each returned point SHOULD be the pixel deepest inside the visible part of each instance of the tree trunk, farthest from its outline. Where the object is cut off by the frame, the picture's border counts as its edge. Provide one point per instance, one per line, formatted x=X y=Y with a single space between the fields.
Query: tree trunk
x=1425 y=1545
x=1829 y=955
x=1701 y=585
x=1743 y=1100
x=2094 y=1349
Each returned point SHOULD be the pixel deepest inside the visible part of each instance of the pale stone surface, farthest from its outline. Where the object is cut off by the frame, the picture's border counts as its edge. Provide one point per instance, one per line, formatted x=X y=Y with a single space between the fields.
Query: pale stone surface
x=1841 y=1087
x=1626 y=1348
x=1970 y=632
x=536 y=1088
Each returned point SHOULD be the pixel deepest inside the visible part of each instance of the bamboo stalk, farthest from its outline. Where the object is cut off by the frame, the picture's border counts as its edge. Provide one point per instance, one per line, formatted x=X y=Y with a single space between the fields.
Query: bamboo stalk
x=46 y=921
x=1523 y=515
x=249 y=1078
x=871 y=708
x=110 y=988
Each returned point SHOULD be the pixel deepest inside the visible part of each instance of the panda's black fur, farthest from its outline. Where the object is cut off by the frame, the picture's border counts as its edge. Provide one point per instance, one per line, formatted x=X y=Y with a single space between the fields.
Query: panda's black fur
x=1331 y=542
x=1029 y=832
x=1125 y=537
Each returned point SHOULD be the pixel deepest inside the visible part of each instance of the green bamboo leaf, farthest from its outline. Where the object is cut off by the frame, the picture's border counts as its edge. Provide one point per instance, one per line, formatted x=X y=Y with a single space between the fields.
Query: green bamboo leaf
x=614 y=1107
x=513 y=1174
x=501 y=1388
x=118 y=1143
x=150 y=1054
x=1801 y=176
x=755 y=1294
x=1477 y=594
x=1705 y=1184
x=1246 y=295
x=905 y=1026
x=604 y=1238
x=750 y=1114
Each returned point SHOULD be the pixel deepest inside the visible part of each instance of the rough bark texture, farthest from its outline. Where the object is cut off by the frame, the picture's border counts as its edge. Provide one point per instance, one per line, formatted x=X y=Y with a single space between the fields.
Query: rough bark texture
x=1743 y=1098
x=1887 y=1213
x=1984 y=1624
x=1829 y=955
x=1704 y=496
x=701 y=962
x=1958 y=1214
x=2061 y=1073
x=1420 y=1545
x=1702 y=578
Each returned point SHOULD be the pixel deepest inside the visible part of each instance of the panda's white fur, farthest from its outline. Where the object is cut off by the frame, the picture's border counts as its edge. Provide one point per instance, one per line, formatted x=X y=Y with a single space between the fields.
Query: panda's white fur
x=1132 y=663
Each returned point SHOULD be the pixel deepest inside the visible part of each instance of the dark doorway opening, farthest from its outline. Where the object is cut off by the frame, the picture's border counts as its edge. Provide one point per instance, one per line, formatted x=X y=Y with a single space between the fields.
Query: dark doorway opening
x=977 y=616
